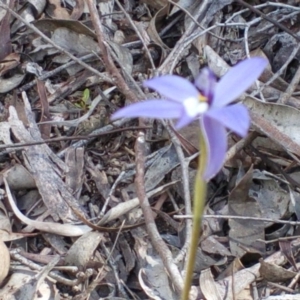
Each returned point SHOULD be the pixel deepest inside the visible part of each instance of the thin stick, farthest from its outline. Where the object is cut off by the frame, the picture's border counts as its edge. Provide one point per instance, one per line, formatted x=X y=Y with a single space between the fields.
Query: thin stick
x=72 y=138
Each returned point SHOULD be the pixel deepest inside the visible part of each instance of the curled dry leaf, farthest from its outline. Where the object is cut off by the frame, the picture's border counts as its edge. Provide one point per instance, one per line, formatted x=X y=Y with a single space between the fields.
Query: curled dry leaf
x=38 y=5
x=19 y=178
x=279 y=122
x=73 y=42
x=213 y=246
x=233 y=285
x=208 y=286
x=6 y=233
x=50 y=227
x=272 y=198
x=8 y=63
x=55 y=10
x=274 y=273
x=8 y=84
x=235 y=266
x=82 y=250
x=154 y=280
x=152 y=28
x=205 y=260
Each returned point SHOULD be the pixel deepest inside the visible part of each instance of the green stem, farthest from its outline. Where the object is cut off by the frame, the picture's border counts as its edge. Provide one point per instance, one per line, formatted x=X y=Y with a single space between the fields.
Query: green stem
x=199 y=204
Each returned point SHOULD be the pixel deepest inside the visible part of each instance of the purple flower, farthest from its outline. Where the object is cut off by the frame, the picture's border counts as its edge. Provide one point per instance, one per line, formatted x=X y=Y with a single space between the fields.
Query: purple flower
x=206 y=100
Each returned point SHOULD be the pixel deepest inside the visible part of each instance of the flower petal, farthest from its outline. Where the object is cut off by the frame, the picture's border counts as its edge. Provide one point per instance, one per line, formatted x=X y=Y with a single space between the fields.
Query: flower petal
x=216 y=142
x=237 y=80
x=184 y=120
x=160 y=109
x=173 y=87
x=206 y=83
x=235 y=117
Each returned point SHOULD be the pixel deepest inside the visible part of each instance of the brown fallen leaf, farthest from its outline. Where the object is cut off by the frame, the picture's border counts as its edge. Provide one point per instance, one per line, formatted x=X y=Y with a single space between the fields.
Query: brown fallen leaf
x=208 y=285
x=274 y=273
x=279 y=122
x=83 y=249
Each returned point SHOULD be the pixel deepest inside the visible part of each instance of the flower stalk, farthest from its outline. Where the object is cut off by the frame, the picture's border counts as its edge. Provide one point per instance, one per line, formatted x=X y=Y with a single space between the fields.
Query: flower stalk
x=198 y=208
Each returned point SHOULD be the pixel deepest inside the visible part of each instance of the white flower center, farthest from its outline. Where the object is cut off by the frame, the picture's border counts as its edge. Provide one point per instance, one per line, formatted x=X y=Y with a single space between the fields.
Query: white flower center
x=194 y=107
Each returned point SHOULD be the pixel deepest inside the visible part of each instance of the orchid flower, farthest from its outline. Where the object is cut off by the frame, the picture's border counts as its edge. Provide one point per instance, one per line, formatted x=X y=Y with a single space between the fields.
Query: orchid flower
x=206 y=100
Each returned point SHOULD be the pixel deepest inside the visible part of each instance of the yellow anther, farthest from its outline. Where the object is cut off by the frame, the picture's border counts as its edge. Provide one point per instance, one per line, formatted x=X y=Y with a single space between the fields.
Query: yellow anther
x=202 y=98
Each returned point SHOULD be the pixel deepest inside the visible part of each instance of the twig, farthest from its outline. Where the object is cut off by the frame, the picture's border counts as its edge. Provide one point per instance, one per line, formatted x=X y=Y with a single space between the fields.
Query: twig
x=71 y=138
x=280 y=5
x=292 y=223
x=154 y=235
x=281 y=287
